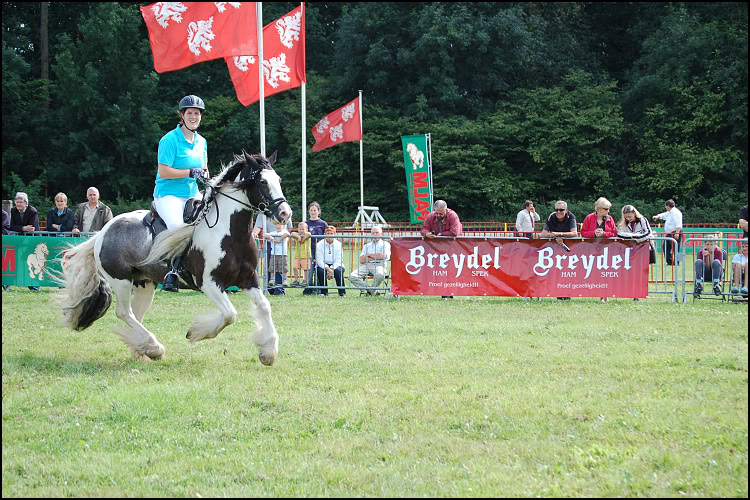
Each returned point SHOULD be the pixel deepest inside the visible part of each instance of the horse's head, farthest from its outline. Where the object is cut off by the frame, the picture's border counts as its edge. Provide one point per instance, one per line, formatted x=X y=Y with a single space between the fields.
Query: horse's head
x=254 y=175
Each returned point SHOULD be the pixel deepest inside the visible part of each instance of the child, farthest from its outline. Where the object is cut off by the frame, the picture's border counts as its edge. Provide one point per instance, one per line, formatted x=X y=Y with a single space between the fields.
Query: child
x=708 y=266
x=301 y=254
x=739 y=268
x=279 y=252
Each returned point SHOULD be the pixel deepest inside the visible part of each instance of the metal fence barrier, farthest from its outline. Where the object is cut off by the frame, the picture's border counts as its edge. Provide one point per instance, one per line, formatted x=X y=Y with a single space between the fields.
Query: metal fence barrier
x=685 y=246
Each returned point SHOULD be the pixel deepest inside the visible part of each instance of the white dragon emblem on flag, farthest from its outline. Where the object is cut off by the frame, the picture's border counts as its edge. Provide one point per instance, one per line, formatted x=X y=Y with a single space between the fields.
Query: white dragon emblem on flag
x=337 y=132
x=288 y=28
x=221 y=5
x=347 y=112
x=322 y=125
x=199 y=36
x=275 y=70
x=166 y=11
x=243 y=62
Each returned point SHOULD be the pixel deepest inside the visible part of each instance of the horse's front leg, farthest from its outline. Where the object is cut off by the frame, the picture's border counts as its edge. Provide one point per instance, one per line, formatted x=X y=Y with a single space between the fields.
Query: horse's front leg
x=266 y=337
x=208 y=325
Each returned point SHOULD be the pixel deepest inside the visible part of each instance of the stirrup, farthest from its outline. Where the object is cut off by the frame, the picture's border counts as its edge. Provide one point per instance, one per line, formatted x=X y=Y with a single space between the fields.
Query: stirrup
x=171 y=281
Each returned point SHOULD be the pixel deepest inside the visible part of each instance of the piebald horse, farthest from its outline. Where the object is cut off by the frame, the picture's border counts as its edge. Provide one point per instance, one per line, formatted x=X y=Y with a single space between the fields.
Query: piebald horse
x=218 y=252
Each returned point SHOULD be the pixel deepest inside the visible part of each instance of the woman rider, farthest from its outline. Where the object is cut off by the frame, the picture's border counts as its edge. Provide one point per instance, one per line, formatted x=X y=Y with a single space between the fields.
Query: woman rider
x=182 y=158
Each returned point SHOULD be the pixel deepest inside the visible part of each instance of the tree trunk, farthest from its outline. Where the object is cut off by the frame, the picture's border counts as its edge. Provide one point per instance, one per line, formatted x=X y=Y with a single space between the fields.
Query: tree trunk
x=44 y=37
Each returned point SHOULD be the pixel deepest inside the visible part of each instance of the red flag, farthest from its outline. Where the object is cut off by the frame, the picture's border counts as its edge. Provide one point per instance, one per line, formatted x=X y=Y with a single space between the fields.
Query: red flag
x=187 y=33
x=283 y=60
x=343 y=125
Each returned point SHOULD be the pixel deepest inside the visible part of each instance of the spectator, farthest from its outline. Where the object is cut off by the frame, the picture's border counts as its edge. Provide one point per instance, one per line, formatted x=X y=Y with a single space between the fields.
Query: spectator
x=599 y=224
x=525 y=220
x=301 y=252
x=441 y=222
x=739 y=272
x=6 y=223
x=329 y=257
x=634 y=226
x=263 y=228
x=91 y=216
x=23 y=217
x=372 y=260
x=60 y=218
x=279 y=254
x=672 y=228
x=317 y=227
x=560 y=224
x=708 y=267
x=743 y=221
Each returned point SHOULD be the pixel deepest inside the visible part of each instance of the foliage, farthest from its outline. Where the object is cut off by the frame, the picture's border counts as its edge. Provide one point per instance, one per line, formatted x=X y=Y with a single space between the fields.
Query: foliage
x=523 y=100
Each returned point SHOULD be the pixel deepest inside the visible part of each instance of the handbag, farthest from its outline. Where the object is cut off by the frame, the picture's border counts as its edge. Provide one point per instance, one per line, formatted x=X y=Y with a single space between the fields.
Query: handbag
x=651 y=253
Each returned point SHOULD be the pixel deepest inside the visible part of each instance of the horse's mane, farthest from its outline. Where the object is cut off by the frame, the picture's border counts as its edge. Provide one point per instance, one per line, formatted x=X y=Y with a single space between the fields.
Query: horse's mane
x=230 y=172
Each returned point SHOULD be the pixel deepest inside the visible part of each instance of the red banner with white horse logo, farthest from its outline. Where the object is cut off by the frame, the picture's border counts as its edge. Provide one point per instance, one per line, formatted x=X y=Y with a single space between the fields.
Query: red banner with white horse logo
x=525 y=268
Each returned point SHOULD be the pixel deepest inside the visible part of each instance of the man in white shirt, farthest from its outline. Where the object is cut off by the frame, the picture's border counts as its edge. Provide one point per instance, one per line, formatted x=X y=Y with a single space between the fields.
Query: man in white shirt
x=372 y=261
x=525 y=220
x=672 y=228
x=329 y=256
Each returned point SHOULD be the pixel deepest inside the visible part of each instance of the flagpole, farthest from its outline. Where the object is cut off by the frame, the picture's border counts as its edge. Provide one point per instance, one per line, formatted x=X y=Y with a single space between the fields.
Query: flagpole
x=259 y=8
x=361 y=168
x=304 y=152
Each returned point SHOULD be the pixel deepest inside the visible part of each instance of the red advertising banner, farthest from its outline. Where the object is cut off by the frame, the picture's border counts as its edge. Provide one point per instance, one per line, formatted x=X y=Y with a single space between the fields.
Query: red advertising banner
x=513 y=268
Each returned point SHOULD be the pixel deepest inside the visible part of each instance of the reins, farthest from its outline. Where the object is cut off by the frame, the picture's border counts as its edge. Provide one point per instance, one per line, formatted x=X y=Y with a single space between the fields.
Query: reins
x=266 y=207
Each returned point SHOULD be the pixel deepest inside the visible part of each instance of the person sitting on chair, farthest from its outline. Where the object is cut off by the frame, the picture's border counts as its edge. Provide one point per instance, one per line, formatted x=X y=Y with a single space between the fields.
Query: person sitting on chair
x=708 y=267
x=328 y=257
x=739 y=272
x=372 y=260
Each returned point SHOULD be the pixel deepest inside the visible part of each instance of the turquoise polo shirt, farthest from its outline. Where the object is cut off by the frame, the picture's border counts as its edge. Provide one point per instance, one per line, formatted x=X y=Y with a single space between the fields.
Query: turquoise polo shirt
x=176 y=152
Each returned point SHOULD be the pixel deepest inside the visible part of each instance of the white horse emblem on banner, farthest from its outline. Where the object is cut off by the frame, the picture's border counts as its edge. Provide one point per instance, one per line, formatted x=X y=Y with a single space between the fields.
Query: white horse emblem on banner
x=199 y=36
x=37 y=261
x=166 y=11
x=415 y=155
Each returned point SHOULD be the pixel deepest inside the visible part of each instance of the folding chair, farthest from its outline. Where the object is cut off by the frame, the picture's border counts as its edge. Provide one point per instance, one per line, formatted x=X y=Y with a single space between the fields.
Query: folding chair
x=708 y=293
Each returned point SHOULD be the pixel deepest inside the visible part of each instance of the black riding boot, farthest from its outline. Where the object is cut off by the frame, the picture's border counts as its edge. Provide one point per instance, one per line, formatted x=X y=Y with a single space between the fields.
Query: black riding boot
x=172 y=278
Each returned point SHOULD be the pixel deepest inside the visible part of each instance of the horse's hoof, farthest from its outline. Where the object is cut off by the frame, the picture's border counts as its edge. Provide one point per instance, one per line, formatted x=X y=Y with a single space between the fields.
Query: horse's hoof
x=266 y=360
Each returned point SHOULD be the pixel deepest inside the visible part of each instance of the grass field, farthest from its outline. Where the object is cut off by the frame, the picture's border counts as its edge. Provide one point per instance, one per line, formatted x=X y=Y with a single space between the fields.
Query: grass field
x=382 y=397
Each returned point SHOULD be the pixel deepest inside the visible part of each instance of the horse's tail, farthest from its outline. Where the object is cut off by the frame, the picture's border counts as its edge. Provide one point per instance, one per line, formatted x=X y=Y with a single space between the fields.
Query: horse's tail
x=86 y=295
x=169 y=244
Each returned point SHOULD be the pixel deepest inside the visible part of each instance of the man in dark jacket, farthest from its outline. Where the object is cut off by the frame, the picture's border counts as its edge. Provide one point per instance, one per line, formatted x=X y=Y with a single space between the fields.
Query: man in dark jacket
x=23 y=217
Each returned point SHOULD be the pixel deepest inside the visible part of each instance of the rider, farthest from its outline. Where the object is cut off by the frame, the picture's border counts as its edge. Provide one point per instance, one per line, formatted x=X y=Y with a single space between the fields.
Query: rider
x=182 y=158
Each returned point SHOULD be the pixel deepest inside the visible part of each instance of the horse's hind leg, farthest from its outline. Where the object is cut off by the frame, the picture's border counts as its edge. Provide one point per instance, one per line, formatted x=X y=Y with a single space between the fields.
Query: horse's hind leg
x=208 y=325
x=143 y=345
x=144 y=297
x=266 y=337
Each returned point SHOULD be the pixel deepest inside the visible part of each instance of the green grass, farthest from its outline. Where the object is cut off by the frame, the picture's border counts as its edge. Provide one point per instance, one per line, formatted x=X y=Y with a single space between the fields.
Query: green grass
x=382 y=397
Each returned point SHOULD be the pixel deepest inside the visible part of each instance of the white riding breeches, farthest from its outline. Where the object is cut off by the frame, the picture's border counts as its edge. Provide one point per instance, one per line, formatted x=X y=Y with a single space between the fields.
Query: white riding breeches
x=170 y=209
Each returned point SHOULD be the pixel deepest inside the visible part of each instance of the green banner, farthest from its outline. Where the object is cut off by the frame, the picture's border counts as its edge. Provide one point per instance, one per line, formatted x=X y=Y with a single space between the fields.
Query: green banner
x=33 y=260
x=418 y=176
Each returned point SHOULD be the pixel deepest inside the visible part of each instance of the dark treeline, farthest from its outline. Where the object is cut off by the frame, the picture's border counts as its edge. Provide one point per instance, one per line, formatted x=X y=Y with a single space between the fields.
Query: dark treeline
x=637 y=102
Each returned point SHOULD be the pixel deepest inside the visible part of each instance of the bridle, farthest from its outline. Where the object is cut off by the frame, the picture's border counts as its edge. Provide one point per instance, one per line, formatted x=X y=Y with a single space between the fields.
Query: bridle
x=266 y=207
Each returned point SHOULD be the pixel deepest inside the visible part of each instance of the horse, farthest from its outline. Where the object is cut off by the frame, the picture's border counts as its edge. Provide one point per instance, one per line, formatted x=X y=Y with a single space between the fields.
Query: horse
x=218 y=252
x=37 y=261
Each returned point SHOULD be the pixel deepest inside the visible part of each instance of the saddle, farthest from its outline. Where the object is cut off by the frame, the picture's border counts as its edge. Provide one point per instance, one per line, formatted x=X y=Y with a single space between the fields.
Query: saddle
x=156 y=224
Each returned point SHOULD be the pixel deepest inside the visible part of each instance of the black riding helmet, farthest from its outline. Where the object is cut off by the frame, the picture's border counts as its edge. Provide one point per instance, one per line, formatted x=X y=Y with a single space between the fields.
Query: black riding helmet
x=191 y=101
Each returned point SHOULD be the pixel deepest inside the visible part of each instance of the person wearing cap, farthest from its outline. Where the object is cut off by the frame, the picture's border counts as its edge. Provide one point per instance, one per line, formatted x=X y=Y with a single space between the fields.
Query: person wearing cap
x=182 y=157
